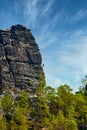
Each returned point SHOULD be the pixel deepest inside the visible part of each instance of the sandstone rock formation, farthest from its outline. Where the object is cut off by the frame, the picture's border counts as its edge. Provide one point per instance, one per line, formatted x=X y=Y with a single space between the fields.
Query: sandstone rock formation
x=20 y=59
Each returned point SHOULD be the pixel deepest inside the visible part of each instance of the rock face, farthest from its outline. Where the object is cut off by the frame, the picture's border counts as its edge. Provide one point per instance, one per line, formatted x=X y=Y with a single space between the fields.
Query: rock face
x=20 y=59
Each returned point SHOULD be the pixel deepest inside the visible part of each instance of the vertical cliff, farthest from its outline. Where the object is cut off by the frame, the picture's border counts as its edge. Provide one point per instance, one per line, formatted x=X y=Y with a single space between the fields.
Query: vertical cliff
x=20 y=59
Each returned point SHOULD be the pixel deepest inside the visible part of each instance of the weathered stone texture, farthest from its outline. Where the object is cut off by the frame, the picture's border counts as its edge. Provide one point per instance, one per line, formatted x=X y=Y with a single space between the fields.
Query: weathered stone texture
x=20 y=58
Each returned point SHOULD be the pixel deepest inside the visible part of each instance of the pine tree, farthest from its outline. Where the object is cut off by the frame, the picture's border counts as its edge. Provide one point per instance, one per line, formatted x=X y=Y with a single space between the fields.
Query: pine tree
x=41 y=109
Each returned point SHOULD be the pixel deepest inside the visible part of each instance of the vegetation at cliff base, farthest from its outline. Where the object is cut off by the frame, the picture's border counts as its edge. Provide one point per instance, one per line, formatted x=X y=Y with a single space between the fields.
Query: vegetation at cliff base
x=50 y=109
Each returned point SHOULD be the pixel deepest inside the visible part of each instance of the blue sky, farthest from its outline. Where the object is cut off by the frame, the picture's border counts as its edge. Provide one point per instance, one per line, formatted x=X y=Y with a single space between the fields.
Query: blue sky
x=60 y=29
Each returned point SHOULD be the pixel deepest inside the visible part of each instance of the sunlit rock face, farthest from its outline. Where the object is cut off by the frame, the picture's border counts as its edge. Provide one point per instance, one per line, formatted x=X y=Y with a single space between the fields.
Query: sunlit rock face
x=20 y=59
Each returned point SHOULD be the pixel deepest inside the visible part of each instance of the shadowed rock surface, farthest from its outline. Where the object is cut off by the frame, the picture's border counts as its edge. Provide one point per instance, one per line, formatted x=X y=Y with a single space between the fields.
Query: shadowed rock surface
x=20 y=59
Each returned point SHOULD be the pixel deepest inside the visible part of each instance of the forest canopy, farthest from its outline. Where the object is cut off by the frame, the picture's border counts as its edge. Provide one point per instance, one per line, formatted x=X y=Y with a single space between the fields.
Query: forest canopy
x=50 y=109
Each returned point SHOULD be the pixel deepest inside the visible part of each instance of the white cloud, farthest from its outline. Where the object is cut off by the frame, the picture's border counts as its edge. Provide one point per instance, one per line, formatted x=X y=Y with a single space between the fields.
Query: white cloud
x=31 y=11
x=37 y=13
x=64 y=53
x=77 y=16
x=74 y=51
x=47 y=7
x=68 y=62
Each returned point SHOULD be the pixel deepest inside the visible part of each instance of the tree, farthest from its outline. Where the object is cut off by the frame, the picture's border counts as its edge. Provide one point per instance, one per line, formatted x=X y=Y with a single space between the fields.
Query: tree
x=7 y=103
x=23 y=100
x=60 y=122
x=21 y=112
x=20 y=119
x=81 y=112
x=41 y=109
x=3 y=123
x=62 y=107
x=52 y=99
x=66 y=100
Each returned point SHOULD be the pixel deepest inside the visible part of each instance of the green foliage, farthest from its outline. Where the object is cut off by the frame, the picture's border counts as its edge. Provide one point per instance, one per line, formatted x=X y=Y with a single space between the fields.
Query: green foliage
x=52 y=109
x=41 y=86
x=15 y=112
x=6 y=102
x=20 y=119
x=23 y=99
x=30 y=83
x=3 y=123
x=41 y=108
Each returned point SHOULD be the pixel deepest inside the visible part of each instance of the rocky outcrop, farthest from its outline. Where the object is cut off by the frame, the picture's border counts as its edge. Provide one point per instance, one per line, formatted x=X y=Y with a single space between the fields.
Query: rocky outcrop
x=20 y=59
